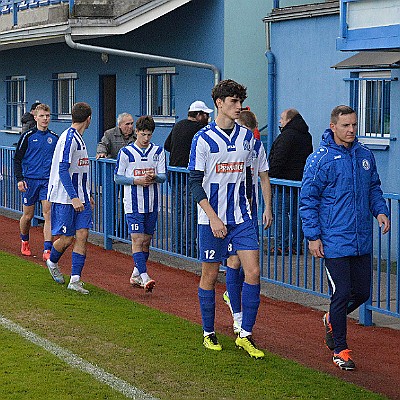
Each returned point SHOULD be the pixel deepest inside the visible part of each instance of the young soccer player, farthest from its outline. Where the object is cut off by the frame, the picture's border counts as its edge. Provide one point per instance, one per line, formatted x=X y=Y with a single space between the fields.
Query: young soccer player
x=220 y=167
x=141 y=169
x=234 y=273
x=69 y=191
x=32 y=162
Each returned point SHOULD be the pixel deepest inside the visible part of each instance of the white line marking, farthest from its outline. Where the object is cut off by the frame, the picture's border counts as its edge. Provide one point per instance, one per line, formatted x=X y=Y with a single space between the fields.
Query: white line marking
x=74 y=361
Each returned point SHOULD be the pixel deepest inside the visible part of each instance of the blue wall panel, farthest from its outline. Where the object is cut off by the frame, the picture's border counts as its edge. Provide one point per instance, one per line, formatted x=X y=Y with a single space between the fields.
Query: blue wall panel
x=193 y=32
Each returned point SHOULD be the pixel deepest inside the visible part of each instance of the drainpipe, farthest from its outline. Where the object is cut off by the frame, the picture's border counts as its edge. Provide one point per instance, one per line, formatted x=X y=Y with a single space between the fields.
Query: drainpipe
x=143 y=56
x=271 y=88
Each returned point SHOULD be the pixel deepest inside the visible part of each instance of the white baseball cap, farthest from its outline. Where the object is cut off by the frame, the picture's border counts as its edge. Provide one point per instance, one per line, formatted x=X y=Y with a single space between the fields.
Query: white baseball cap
x=200 y=106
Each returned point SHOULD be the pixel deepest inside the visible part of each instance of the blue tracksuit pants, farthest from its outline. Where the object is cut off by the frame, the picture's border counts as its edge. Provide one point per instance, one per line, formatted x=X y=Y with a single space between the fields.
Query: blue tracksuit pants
x=349 y=279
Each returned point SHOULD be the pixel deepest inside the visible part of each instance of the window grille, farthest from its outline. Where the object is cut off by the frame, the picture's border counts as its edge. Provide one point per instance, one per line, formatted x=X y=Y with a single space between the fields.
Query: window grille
x=64 y=94
x=370 y=97
x=15 y=102
x=160 y=94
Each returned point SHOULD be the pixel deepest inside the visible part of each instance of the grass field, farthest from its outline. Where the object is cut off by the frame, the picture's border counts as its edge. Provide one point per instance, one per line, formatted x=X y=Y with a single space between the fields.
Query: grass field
x=158 y=353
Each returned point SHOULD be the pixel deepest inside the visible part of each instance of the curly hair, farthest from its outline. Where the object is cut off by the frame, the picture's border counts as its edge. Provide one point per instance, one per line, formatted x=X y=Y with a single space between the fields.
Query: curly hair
x=228 y=88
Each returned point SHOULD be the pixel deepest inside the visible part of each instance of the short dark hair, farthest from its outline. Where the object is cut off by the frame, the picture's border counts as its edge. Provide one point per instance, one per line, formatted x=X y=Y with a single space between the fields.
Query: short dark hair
x=340 y=110
x=81 y=112
x=229 y=88
x=145 y=123
x=34 y=105
x=194 y=114
x=247 y=119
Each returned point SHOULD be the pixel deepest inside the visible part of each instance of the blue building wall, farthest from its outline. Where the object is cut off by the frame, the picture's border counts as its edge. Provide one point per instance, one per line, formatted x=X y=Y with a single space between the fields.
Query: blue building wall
x=305 y=50
x=193 y=32
x=244 y=52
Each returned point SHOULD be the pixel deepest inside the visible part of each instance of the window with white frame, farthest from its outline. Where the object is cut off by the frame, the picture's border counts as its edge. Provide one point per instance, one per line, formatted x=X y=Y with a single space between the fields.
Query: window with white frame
x=64 y=94
x=374 y=104
x=15 y=101
x=160 y=94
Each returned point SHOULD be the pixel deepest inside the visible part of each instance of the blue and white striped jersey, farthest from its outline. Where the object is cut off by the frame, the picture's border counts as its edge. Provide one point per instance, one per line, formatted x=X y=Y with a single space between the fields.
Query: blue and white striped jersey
x=259 y=163
x=223 y=158
x=134 y=162
x=70 y=149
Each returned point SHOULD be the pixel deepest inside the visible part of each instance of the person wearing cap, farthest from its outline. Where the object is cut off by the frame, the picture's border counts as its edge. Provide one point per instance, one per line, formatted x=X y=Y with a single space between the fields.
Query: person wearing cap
x=180 y=138
x=28 y=119
x=178 y=144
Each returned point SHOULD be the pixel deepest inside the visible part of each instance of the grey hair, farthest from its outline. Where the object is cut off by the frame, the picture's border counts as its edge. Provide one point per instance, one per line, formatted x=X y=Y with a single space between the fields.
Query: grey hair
x=122 y=116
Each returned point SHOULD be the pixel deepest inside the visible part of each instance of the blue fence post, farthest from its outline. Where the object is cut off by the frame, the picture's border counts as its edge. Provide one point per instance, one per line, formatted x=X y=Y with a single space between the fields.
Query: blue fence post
x=108 y=201
x=365 y=312
x=15 y=11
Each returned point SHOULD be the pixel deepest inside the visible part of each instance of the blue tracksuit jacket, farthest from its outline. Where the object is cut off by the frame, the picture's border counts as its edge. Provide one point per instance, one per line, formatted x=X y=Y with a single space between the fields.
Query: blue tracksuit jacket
x=34 y=153
x=340 y=191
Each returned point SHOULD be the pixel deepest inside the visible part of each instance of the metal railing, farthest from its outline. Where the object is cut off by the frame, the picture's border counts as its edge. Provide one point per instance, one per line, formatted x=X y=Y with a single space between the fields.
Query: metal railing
x=14 y=6
x=176 y=232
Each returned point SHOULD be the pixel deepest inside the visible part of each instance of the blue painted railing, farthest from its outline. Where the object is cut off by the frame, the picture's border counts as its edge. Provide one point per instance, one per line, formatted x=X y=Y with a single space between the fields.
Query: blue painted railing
x=14 y=6
x=295 y=269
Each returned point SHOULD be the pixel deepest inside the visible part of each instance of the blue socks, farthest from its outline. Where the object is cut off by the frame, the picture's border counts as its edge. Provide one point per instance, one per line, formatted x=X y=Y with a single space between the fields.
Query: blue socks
x=25 y=238
x=234 y=283
x=207 y=308
x=78 y=261
x=139 y=259
x=55 y=255
x=250 y=304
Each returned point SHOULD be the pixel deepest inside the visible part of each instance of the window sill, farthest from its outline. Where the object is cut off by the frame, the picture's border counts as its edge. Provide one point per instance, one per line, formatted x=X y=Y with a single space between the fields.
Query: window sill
x=164 y=120
x=375 y=143
x=10 y=131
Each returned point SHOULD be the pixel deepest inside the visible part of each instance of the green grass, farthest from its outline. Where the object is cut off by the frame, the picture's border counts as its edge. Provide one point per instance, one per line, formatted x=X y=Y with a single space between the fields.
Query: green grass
x=156 y=352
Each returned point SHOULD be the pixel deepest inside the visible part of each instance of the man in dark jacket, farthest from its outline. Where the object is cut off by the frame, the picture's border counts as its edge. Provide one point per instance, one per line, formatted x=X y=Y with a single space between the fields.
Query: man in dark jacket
x=287 y=159
x=178 y=144
x=340 y=193
x=28 y=119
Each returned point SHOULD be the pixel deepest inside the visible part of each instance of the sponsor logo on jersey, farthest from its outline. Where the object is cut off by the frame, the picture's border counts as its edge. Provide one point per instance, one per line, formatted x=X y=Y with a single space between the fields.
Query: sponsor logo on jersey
x=83 y=161
x=143 y=171
x=229 y=167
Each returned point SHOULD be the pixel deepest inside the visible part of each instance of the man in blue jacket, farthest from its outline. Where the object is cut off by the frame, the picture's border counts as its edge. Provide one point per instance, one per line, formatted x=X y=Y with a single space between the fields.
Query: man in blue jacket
x=340 y=192
x=32 y=162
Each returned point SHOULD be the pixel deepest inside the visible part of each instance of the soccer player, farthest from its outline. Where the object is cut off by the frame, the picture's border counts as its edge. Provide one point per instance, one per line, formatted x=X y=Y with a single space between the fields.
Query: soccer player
x=69 y=191
x=234 y=273
x=220 y=180
x=32 y=162
x=141 y=168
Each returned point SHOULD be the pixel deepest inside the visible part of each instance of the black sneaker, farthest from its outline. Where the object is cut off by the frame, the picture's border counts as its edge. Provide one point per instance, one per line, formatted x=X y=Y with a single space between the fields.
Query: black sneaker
x=343 y=360
x=330 y=343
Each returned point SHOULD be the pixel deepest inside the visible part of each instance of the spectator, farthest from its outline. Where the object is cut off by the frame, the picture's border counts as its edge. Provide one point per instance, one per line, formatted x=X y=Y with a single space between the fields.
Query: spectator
x=219 y=166
x=28 y=120
x=180 y=138
x=287 y=159
x=32 y=162
x=183 y=209
x=339 y=194
x=141 y=168
x=69 y=191
x=234 y=273
x=116 y=138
